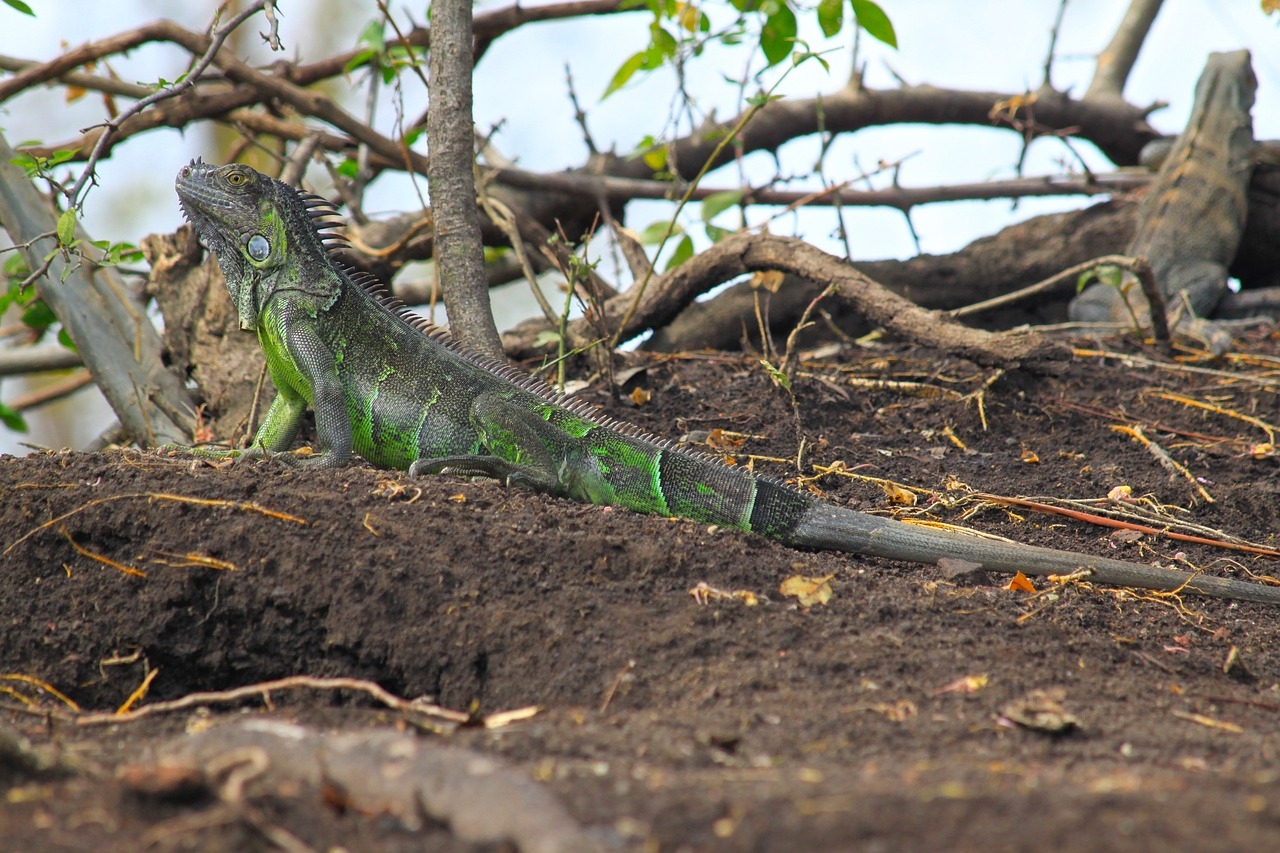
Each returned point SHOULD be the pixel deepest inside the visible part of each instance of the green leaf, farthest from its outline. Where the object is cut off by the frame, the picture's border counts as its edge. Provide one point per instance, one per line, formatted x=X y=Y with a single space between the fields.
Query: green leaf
x=15 y=267
x=117 y=253
x=624 y=73
x=67 y=227
x=717 y=203
x=656 y=158
x=9 y=417
x=546 y=337
x=1107 y=274
x=373 y=35
x=830 y=16
x=715 y=233
x=759 y=99
x=683 y=252
x=19 y=6
x=779 y=378
x=65 y=340
x=27 y=163
x=38 y=316
x=778 y=34
x=875 y=22
x=662 y=42
x=361 y=58
x=655 y=231
x=804 y=56
x=349 y=168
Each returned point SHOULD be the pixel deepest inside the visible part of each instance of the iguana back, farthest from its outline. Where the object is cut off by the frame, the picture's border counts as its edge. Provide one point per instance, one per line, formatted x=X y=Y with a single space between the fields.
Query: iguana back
x=398 y=392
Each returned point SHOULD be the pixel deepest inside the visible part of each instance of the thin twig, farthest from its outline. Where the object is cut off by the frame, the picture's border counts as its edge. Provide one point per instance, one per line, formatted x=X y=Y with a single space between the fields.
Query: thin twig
x=218 y=36
x=1054 y=283
x=247 y=506
x=51 y=392
x=293 y=682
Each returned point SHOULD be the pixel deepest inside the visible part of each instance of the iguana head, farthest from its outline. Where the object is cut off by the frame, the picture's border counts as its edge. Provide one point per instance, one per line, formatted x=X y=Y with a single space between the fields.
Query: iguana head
x=264 y=233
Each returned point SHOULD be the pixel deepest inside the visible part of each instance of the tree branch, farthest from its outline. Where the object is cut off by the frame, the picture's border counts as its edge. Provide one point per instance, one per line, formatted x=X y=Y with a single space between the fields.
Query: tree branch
x=746 y=253
x=1117 y=58
x=37 y=359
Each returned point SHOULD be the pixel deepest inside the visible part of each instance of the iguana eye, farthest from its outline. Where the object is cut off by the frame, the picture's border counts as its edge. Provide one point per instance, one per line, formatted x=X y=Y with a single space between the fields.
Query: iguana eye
x=258 y=247
x=236 y=178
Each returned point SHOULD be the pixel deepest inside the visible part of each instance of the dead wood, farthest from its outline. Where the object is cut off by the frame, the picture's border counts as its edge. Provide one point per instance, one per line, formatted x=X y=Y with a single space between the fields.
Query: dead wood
x=741 y=254
x=480 y=799
x=991 y=266
x=202 y=337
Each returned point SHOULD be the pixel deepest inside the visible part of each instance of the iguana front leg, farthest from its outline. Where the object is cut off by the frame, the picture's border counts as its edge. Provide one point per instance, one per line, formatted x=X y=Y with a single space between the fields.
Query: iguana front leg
x=299 y=359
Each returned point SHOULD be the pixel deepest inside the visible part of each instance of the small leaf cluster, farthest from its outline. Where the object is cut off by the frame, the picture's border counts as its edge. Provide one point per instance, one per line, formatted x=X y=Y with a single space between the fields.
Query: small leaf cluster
x=682 y=29
x=375 y=53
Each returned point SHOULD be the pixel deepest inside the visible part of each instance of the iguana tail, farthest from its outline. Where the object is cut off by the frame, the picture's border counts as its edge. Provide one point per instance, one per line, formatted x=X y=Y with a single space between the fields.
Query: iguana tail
x=827 y=527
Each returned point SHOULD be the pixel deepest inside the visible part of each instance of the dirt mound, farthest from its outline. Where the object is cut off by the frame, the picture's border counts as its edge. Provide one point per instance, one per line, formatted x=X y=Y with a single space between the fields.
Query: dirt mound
x=908 y=712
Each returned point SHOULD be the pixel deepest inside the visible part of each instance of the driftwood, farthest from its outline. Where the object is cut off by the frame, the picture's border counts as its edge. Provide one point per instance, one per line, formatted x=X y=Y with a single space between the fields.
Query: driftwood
x=1016 y=256
x=480 y=799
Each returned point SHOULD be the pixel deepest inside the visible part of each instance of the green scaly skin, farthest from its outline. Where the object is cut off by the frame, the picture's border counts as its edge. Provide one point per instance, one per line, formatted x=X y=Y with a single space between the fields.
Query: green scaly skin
x=396 y=391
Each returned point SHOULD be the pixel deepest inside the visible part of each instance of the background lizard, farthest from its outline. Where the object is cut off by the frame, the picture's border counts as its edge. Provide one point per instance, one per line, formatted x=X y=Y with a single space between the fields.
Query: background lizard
x=1192 y=218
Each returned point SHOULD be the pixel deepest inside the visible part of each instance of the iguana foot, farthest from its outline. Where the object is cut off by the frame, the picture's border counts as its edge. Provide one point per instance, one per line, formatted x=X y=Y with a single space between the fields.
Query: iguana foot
x=493 y=467
x=1213 y=335
x=257 y=453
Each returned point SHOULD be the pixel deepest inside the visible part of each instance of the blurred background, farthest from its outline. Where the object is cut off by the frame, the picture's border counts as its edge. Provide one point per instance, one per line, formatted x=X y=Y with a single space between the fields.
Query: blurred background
x=521 y=99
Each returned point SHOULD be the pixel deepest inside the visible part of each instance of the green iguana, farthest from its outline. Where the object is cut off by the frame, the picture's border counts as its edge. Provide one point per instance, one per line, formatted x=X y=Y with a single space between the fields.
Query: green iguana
x=397 y=391
x=1193 y=216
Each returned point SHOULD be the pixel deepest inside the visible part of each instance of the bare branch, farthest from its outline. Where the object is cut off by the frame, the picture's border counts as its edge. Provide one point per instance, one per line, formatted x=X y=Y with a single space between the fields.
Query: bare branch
x=1117 y=58
x=36 y=359
x=92 y=82
x=899 y=197
x=1053 y=44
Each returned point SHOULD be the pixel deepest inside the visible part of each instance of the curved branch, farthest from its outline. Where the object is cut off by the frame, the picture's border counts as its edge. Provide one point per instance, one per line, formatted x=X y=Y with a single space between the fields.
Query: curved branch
x=1117 y=128
x=747 y=253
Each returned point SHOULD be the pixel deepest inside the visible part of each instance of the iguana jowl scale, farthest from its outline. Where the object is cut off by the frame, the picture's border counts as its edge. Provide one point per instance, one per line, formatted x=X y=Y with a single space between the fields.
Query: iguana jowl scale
x=388 y=386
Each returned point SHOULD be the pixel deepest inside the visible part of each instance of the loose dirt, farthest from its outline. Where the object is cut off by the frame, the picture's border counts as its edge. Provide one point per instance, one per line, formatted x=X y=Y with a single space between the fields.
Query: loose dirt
x=886 y=718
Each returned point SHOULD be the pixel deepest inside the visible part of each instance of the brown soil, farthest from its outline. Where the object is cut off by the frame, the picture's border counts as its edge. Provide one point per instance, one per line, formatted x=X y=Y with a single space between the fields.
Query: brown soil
x=881 y=720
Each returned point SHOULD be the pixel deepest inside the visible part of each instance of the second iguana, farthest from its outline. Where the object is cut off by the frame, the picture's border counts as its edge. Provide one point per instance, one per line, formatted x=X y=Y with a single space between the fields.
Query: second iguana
x=386 y=385
x=1192 y=218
